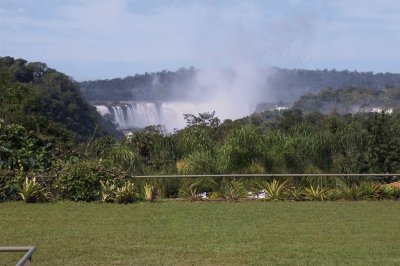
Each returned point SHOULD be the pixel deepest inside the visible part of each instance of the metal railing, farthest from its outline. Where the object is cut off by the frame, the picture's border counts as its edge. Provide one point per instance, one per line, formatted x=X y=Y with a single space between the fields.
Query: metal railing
x=26 y=260
x=267 y=175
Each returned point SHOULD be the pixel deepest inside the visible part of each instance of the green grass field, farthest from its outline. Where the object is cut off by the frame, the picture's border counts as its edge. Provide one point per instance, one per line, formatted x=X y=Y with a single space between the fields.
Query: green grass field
x=218 y=233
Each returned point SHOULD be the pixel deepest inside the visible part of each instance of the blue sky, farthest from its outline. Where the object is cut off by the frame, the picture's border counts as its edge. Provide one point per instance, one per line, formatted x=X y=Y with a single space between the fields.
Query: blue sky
x=96 y=39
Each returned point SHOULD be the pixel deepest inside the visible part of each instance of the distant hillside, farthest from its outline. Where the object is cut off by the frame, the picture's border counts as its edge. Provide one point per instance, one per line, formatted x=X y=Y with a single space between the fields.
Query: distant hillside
x=349 y=100
x=281 y=84
x=46 y=101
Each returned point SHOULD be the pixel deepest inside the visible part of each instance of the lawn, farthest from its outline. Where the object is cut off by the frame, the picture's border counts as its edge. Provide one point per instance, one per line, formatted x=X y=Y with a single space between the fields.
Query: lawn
x=218 y=233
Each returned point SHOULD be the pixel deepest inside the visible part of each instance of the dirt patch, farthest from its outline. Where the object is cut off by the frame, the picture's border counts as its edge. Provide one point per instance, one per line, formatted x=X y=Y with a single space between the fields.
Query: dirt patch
x=395 y=184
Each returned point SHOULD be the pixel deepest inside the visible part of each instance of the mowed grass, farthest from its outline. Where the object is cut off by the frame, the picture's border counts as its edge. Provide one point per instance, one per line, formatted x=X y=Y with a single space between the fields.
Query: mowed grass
x=218 y=233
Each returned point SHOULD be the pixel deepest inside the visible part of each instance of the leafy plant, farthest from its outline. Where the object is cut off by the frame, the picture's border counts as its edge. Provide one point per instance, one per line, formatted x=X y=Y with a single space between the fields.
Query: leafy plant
x=295 y=193
x=79 y=181
x=196 y=163
x=387 y=192
x=370 y=190
x=191 y=189
x=108 y=191
x=316 y=193
x=30 y=190
x=351 y=192
x=215 y=195
x=126 y=158
x=150 y=192
x=233 y=189
x=334 y=194
x=126 y=194
x=275 y=190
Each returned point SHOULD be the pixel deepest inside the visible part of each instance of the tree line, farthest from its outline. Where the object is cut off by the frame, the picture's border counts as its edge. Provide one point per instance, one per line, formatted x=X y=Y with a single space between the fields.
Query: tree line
x=280 y=84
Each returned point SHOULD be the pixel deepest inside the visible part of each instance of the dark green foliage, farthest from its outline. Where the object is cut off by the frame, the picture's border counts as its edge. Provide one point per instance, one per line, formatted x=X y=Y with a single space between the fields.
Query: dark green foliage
x=47 y=102
x=383 y=143
x=20 y=149
x=80 y=181
x=241 y=148
x=348 y=100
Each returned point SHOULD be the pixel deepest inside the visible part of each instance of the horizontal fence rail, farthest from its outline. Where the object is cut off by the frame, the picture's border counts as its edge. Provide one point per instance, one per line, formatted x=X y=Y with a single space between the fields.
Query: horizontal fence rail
x=267 y=175
x=26 y=259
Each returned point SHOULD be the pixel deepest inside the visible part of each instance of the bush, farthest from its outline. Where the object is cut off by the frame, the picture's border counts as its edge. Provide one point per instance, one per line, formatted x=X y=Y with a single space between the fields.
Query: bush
x=196 y=163
x=127 y=193
x=10 y=181
x=80 y=181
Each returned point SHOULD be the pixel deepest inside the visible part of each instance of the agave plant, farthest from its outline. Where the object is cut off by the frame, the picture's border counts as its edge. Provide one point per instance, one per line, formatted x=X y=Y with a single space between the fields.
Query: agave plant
x=296 y=193
x=30 y=190
x=351 y=193
x=192 y=189
x=275 y=190
x=150 y=192
x=316 y=193
x=126 y=194
x=387 y=192
x=334 y=194
x=233 y=189
x=108 y=190
x=370 y=190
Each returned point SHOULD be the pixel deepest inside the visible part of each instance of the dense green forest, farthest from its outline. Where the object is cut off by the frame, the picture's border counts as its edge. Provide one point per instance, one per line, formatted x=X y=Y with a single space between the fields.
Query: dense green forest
x=349 y=100
x=46 y=101
x=54 y=146
x=280 y=84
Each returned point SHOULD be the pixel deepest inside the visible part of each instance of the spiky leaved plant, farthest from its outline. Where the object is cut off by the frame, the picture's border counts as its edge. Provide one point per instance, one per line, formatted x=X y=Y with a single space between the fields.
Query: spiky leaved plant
x=370 y=190
x=126 y=194
x=316 y=193
x=233 y=189
x=351 y=192
x=191 y=189
x=30 y=190
x=334 y=194
x=387 y=192
x=275 y=190
x=108 y=190
x=296 y=193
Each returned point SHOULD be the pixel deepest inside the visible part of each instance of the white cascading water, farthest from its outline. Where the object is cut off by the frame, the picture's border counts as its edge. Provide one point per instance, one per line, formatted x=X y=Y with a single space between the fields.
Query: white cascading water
x=130 y=114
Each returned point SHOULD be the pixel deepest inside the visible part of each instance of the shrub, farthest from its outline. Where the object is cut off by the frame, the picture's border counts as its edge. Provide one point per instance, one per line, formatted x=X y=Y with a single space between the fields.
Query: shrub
x=10 y=182
x=127 y=193
x=255 y=168
x=124 y=157
x=196 y=163
x=80 y=181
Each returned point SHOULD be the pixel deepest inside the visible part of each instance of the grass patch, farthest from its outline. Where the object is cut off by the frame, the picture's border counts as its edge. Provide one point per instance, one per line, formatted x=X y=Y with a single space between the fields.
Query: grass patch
x=219 y=233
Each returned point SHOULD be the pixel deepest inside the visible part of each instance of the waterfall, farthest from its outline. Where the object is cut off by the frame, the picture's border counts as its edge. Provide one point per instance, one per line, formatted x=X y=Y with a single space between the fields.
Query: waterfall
x=130 y=114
